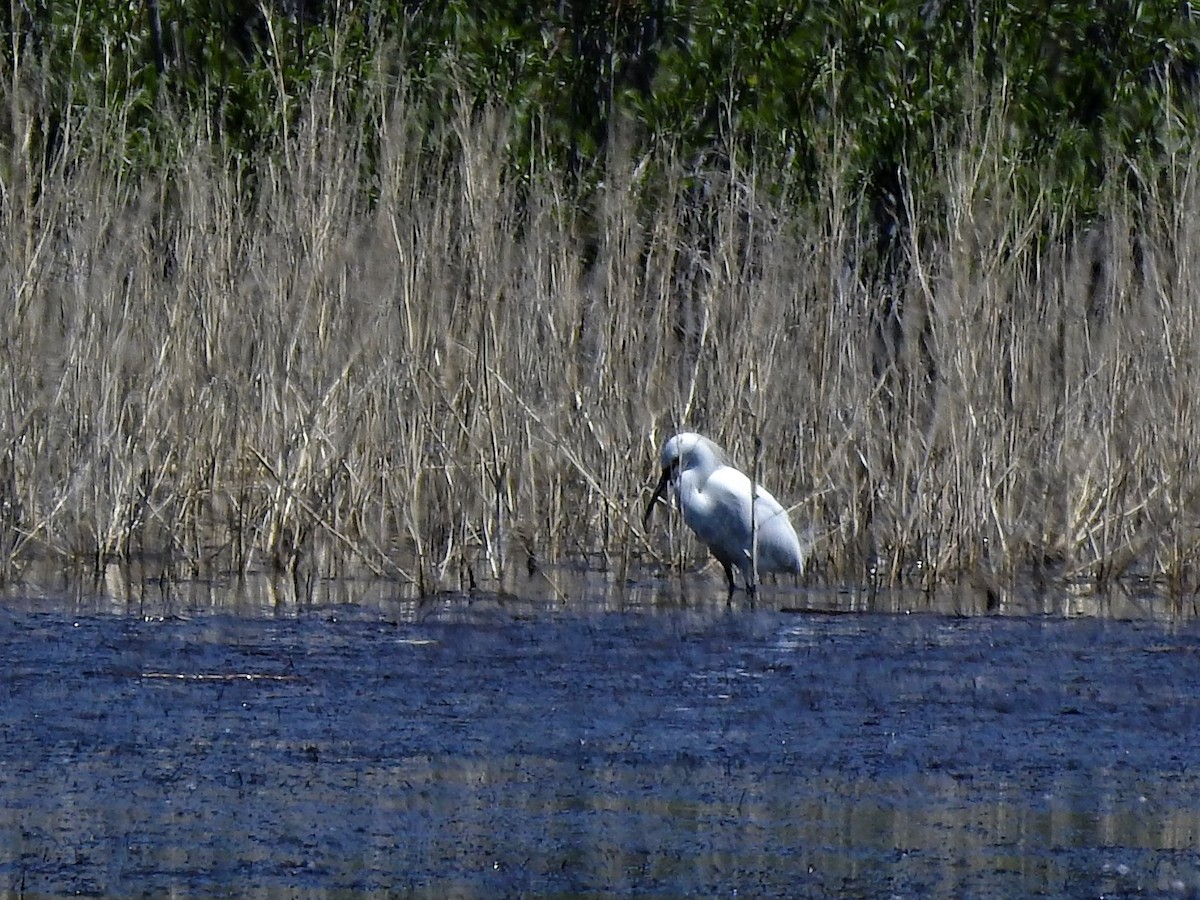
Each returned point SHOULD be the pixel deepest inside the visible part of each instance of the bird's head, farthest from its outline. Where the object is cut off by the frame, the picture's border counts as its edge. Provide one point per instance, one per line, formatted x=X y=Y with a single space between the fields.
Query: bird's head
x=686 y=450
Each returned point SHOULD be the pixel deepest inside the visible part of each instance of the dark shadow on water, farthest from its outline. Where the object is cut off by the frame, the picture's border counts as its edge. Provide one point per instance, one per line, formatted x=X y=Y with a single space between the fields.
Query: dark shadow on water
x=604 y=737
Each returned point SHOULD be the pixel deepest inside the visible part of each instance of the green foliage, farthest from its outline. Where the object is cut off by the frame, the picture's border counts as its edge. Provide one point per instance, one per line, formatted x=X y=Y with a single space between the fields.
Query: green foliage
x=1077 y=84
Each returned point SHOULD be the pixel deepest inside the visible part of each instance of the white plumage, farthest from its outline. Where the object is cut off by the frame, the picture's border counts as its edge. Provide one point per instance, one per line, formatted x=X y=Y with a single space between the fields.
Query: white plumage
x=715 y=500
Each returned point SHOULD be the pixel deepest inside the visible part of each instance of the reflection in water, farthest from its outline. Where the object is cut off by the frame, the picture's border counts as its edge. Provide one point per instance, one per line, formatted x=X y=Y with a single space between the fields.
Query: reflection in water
x=628 y=740
x=138 y=589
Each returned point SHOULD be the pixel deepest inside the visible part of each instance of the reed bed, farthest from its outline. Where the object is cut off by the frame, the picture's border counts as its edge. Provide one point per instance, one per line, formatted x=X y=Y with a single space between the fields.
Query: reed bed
x=434 y=368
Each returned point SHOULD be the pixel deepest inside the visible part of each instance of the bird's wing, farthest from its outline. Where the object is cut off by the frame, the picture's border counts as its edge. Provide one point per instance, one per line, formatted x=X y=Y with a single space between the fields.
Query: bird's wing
x=779 y=546
x=718 y=510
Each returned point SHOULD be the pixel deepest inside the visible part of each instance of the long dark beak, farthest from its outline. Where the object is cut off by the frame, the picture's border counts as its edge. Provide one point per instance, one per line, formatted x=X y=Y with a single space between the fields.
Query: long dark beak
x=659 y=492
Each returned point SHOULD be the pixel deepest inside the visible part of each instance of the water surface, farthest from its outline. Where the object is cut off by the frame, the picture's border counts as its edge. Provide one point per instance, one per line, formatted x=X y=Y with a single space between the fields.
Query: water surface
x=504 y=746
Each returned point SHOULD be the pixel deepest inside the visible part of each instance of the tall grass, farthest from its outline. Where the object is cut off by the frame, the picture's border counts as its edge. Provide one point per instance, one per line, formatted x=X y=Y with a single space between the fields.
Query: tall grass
x=397 y=354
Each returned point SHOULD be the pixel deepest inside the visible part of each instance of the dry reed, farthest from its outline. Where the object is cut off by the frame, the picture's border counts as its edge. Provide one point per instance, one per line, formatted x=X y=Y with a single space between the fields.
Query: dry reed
x=444 y=373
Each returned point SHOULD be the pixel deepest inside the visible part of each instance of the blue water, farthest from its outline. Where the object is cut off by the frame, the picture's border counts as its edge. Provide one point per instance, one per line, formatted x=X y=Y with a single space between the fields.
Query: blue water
x=346 y=750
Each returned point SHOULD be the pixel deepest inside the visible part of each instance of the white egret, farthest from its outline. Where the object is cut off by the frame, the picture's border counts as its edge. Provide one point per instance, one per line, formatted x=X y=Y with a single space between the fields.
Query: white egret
x=715 y=500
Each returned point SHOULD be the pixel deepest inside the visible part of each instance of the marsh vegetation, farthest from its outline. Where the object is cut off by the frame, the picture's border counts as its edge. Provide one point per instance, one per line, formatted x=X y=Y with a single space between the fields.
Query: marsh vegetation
x=403 y=331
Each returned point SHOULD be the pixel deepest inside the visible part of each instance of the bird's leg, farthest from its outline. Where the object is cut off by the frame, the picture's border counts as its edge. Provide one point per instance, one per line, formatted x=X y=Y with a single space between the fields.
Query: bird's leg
x=750 y=577
x=729 y=577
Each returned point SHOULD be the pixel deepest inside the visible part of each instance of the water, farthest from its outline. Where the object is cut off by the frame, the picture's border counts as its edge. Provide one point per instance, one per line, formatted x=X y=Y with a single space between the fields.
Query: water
x=502 y=747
